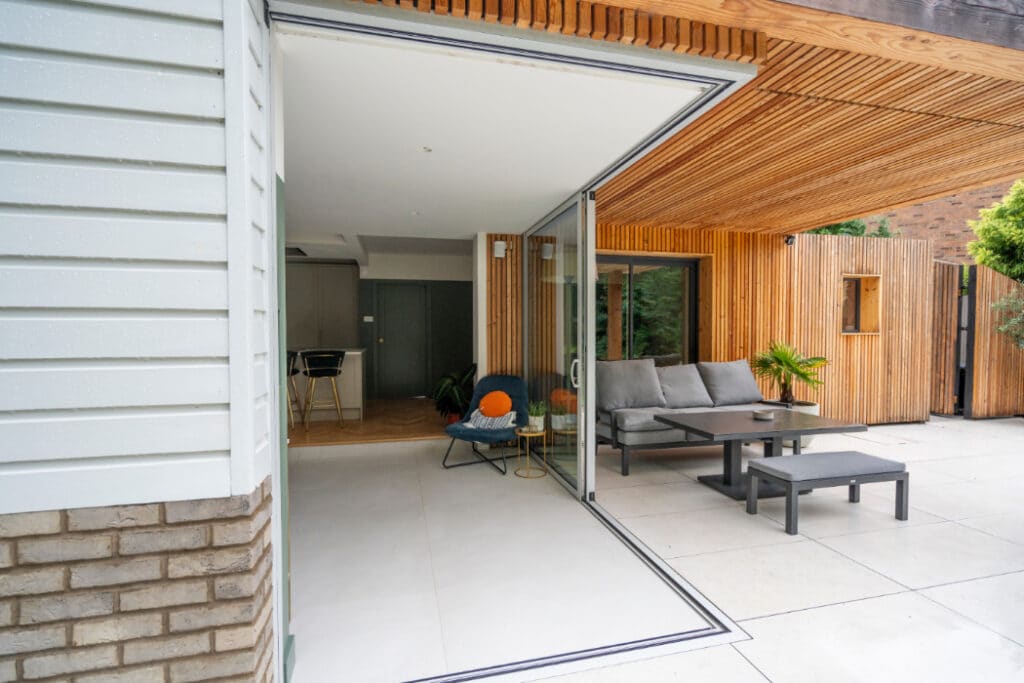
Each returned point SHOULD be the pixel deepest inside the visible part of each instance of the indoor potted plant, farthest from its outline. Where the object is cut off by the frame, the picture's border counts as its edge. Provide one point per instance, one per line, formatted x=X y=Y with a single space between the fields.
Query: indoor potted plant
x=785 y=366
x=536 y=411
x=453 y=392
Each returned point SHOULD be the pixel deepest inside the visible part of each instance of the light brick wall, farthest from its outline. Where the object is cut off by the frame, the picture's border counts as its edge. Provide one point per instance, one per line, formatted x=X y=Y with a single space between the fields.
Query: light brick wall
x=166 y=592
x=943 y=222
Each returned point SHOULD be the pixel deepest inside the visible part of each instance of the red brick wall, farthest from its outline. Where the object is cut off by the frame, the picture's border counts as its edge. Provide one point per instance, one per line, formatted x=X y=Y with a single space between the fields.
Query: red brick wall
x=943 y=222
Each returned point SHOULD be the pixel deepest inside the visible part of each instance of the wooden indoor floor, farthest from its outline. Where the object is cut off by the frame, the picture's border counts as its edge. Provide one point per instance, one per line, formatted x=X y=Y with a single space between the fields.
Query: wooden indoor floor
x=384 y=420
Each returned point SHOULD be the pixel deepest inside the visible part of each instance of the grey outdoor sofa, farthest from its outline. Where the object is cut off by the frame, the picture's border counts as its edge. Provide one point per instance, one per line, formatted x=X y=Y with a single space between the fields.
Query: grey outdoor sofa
x=631 y=392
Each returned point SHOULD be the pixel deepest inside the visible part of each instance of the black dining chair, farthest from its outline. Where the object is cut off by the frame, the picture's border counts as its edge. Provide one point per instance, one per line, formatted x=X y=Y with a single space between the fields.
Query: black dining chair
x=293 y=388
x=321 y=364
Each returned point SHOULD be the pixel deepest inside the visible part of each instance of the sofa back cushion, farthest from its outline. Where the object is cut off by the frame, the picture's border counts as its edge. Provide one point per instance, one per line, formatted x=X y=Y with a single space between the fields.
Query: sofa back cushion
x=683 y=387
x=628 y=384
x=730 y=383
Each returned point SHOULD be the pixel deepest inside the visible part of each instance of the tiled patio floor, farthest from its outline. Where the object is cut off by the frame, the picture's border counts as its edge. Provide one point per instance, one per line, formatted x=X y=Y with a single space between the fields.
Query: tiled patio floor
x=858 y=595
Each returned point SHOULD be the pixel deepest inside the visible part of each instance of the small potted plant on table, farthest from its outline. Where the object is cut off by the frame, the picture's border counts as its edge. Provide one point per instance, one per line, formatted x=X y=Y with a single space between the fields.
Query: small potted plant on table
x=785 y=366
x=536 y=411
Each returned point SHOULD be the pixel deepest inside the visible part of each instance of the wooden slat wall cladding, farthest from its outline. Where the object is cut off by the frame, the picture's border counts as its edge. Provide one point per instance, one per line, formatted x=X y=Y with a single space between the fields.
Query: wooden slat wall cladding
x=763 y=290
x=822 y=135
x=605 y=22
x=542 y=305
x=946 y=285
x=504 y=306
x=998 y=385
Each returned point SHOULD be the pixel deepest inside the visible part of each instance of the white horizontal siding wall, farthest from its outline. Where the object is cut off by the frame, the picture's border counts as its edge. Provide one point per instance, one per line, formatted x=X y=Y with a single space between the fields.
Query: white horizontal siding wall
x=134 y=291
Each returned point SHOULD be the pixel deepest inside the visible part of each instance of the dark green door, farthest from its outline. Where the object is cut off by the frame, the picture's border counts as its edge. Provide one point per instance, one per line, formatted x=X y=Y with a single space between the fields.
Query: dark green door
x=401 y=344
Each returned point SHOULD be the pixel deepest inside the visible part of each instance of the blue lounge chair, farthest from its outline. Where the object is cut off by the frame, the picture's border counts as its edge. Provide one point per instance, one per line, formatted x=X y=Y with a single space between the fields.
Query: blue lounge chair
x=515 y=387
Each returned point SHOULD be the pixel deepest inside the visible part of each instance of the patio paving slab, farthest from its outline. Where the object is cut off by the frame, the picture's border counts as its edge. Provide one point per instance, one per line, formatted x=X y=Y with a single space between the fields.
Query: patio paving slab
x=897 y=638
x=1009 y=526
x=994 y=602
x=680 y=534
x=721 y=664
x=656 y=499
x=930 y=555
x=756 y=582
x=828 y=512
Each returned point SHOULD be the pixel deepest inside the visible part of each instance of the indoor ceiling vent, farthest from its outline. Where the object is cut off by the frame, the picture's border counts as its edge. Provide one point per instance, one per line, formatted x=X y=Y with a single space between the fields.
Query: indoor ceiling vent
x=293 y=251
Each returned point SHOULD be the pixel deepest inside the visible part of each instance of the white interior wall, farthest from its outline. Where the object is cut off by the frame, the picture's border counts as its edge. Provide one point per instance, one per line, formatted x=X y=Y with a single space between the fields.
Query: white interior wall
x=418 y=267
x=480 y=303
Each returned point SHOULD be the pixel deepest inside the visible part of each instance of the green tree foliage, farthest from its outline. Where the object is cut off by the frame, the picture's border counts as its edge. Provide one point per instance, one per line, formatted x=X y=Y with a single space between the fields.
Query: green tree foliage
x=658 y=307
x=856 y=228
x=1011 y=323
x=1000 y=231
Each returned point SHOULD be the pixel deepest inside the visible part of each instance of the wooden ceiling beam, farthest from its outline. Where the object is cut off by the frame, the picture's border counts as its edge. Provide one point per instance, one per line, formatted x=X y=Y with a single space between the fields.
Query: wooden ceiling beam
x=841 y=32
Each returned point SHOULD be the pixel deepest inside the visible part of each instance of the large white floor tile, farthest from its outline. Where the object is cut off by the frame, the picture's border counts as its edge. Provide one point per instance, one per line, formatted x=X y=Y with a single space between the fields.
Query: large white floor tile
x=995 y=602
x=680 y=534
x=755 y=582
x=961 y=500
x=828 y=512
x=996 y=466
x=721 y=664
x=1008 y=526
x=929 y=555
x=656 y=499
x=401 y=569
x=897 y=638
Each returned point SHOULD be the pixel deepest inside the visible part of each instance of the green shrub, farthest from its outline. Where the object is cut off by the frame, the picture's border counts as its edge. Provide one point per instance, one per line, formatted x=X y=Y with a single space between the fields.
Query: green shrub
x=1000 y=231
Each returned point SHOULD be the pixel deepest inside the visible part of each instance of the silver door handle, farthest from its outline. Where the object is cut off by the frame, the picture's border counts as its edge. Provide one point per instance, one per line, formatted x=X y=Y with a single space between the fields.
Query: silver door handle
x=574 y=373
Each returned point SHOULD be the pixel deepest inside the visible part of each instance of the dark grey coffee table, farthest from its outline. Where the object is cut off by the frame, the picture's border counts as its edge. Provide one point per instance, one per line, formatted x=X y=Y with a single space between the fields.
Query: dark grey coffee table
x=733 y=428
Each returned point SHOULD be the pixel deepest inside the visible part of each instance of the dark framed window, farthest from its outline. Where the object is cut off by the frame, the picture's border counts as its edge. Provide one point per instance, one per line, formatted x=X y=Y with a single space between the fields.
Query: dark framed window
x=861 y=309
x=647 y=308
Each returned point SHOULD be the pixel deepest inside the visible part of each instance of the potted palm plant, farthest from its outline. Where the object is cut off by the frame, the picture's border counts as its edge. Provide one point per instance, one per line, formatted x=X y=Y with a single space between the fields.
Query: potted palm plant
x=453 y=392
x=785 y=367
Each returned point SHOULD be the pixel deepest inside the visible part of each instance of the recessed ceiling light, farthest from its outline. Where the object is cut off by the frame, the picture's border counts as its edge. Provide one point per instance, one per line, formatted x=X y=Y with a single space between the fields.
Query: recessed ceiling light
x=415 y=213
x=426 y=150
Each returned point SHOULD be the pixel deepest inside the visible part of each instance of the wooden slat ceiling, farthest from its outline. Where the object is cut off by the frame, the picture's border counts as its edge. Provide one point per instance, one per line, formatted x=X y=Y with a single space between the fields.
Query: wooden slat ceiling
x=823 y=135
x=846 y=117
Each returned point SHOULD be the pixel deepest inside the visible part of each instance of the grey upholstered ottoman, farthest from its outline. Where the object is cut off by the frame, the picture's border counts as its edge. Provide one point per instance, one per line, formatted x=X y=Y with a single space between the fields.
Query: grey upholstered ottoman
x=798 y=473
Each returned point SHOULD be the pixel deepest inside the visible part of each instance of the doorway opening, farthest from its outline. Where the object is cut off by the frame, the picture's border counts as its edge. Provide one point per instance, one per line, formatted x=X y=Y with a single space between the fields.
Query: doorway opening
x=402 y=569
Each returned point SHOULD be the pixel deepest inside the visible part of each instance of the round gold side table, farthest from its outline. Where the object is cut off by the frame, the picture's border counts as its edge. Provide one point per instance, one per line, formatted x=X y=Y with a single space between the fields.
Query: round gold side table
x=530 y=471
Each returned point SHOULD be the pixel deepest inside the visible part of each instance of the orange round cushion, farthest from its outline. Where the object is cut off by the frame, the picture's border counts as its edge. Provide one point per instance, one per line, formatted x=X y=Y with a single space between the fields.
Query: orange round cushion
x=495 y=404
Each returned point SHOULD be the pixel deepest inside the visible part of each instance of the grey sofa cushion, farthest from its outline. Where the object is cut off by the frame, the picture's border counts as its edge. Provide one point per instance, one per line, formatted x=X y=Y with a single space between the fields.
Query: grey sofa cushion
x=628 y=384
x=683 y=387
x=730 y=383
x=640 y=419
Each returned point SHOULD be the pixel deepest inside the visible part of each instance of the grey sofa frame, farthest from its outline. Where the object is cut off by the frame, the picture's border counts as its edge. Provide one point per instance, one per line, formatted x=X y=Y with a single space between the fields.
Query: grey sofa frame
x=625 y=449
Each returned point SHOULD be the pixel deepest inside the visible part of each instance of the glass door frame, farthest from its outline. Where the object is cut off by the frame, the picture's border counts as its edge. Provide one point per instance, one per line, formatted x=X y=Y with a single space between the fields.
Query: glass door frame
x=586 y=228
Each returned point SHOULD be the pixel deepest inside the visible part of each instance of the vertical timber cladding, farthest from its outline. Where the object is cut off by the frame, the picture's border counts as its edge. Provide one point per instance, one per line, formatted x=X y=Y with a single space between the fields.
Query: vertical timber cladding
x=761 y=290
x=505 y=306
x=542 y=309
x=998 y=389
x=946 y=280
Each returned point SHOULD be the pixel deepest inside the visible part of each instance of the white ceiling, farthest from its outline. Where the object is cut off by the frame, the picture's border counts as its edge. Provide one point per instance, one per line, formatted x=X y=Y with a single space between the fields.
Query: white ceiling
x=508 y=138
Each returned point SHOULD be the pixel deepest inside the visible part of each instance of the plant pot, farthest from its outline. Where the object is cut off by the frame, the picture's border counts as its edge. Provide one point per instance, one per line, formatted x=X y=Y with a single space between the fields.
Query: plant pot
x=563 y=423
x=535 y=423
x=808 y=407
x=452 y=418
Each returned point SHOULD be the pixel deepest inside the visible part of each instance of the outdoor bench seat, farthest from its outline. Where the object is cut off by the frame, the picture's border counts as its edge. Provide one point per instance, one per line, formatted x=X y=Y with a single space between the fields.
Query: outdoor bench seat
x=821 y=470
